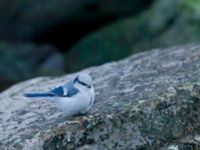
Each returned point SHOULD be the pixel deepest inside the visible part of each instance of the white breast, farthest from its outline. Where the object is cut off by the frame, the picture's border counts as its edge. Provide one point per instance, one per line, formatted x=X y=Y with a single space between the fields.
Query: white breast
x=80 y=103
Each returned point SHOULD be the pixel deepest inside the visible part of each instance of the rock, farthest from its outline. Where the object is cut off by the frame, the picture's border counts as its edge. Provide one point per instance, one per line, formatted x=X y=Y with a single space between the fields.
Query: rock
x=164 y=24
x=90 y=147
x=148 y=101
x=22 y=61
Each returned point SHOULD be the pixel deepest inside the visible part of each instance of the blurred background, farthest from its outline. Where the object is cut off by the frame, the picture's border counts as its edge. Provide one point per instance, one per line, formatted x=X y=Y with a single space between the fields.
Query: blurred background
x=55 y=37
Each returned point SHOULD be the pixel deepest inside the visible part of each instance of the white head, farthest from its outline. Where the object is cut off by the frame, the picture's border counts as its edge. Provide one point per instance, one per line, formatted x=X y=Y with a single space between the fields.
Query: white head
x=83 y=80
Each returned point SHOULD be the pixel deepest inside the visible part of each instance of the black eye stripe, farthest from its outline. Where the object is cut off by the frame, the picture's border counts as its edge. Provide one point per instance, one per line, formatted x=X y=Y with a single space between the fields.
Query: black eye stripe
x=77 y=80
x=81 y=82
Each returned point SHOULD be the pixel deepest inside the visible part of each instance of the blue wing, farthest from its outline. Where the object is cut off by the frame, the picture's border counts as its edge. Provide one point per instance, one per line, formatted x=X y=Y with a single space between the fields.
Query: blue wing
x=58 y=91
x=71 y=89
x=68 y=90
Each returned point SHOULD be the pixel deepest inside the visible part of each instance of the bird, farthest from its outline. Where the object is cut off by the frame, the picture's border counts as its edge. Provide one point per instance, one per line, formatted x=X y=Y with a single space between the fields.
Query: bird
x=73 y=98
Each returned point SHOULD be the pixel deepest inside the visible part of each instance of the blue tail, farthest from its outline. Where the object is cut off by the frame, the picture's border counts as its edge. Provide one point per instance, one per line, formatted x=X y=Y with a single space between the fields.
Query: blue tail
x=37 y=94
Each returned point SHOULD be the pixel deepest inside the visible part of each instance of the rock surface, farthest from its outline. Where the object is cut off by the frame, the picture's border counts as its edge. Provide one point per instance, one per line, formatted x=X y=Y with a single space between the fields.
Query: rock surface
x=150 y=100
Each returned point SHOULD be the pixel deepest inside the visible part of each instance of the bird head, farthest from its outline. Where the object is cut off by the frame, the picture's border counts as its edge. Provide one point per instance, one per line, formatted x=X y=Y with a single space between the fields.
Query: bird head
x=83 y=79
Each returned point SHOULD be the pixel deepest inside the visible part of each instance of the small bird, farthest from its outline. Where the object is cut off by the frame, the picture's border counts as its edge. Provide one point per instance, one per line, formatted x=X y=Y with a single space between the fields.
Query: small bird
x=73 y=98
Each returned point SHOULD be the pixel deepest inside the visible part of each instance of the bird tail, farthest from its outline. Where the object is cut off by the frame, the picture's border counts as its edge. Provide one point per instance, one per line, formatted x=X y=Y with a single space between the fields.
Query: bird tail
x=37 y=94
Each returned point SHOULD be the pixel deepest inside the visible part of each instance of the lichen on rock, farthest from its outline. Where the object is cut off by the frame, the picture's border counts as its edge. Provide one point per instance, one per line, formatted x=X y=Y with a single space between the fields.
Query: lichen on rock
x=148 y=101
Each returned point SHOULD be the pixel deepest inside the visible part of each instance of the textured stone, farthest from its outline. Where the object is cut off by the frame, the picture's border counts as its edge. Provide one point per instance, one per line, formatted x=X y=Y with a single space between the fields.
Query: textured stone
x=148 y=101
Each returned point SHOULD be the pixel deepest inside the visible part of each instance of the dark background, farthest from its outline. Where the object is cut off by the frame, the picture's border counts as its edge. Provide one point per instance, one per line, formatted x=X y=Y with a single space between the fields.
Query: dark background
x=50 y=38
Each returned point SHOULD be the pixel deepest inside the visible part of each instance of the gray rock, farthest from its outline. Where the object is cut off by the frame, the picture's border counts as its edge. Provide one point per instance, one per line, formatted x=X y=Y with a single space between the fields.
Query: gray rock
x=147 y=101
